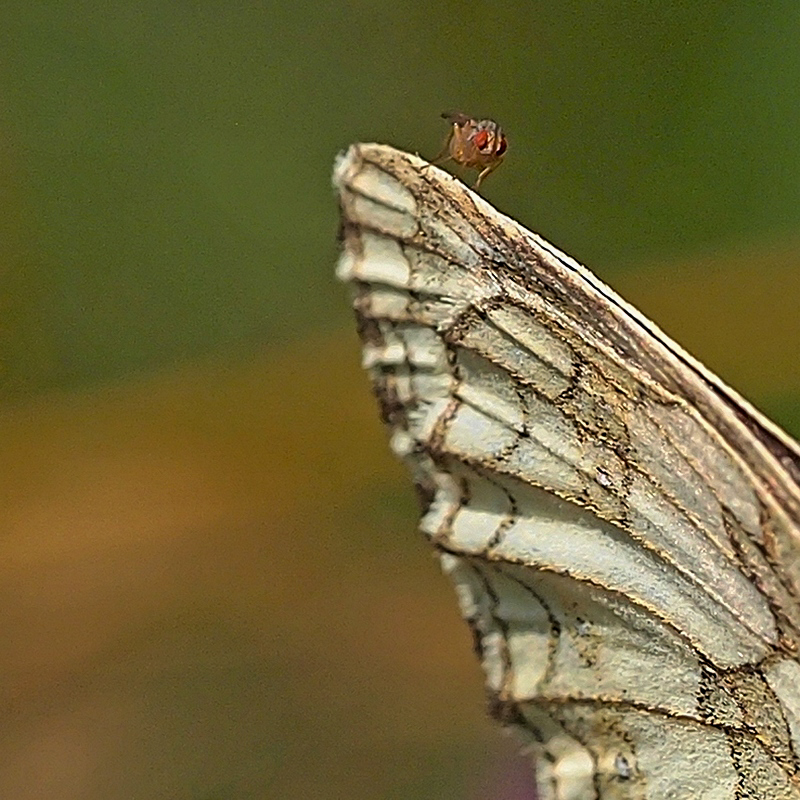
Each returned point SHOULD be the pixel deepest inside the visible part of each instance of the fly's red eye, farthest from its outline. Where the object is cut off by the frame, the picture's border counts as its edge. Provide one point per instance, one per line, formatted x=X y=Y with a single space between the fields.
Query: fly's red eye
x=501 y=148
x=481 y=139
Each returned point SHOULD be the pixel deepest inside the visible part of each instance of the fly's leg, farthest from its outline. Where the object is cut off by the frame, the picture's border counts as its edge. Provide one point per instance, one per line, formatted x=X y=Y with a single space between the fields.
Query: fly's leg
x=444 y=154
x=488 y=171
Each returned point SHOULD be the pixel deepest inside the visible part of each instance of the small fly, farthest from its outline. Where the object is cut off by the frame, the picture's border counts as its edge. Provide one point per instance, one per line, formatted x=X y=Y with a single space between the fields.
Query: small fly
x=474 y=143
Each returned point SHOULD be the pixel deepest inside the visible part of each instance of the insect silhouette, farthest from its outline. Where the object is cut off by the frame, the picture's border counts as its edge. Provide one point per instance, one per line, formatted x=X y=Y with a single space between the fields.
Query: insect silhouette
x=473 y=143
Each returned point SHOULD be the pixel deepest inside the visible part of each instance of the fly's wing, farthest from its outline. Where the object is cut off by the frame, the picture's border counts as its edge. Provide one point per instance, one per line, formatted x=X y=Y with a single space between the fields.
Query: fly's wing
x=620 y=526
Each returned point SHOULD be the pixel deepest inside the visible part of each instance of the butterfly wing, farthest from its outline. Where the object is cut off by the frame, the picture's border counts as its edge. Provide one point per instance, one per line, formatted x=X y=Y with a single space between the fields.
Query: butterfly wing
x=620 y=526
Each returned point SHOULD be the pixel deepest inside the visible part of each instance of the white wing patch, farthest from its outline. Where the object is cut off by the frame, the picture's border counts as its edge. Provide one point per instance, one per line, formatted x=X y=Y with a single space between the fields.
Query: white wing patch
x=621 y=529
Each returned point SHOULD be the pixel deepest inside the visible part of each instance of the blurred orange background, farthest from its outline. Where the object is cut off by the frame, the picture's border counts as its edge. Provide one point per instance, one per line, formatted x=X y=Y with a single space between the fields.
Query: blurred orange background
x=211 y=583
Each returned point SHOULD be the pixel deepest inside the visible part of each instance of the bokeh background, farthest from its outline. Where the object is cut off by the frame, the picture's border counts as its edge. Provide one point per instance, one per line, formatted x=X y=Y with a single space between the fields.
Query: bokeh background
x=211 y=585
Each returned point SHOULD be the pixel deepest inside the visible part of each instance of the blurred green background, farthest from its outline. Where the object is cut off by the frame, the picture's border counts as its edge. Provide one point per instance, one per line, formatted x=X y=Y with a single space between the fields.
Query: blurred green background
x=211 y=584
